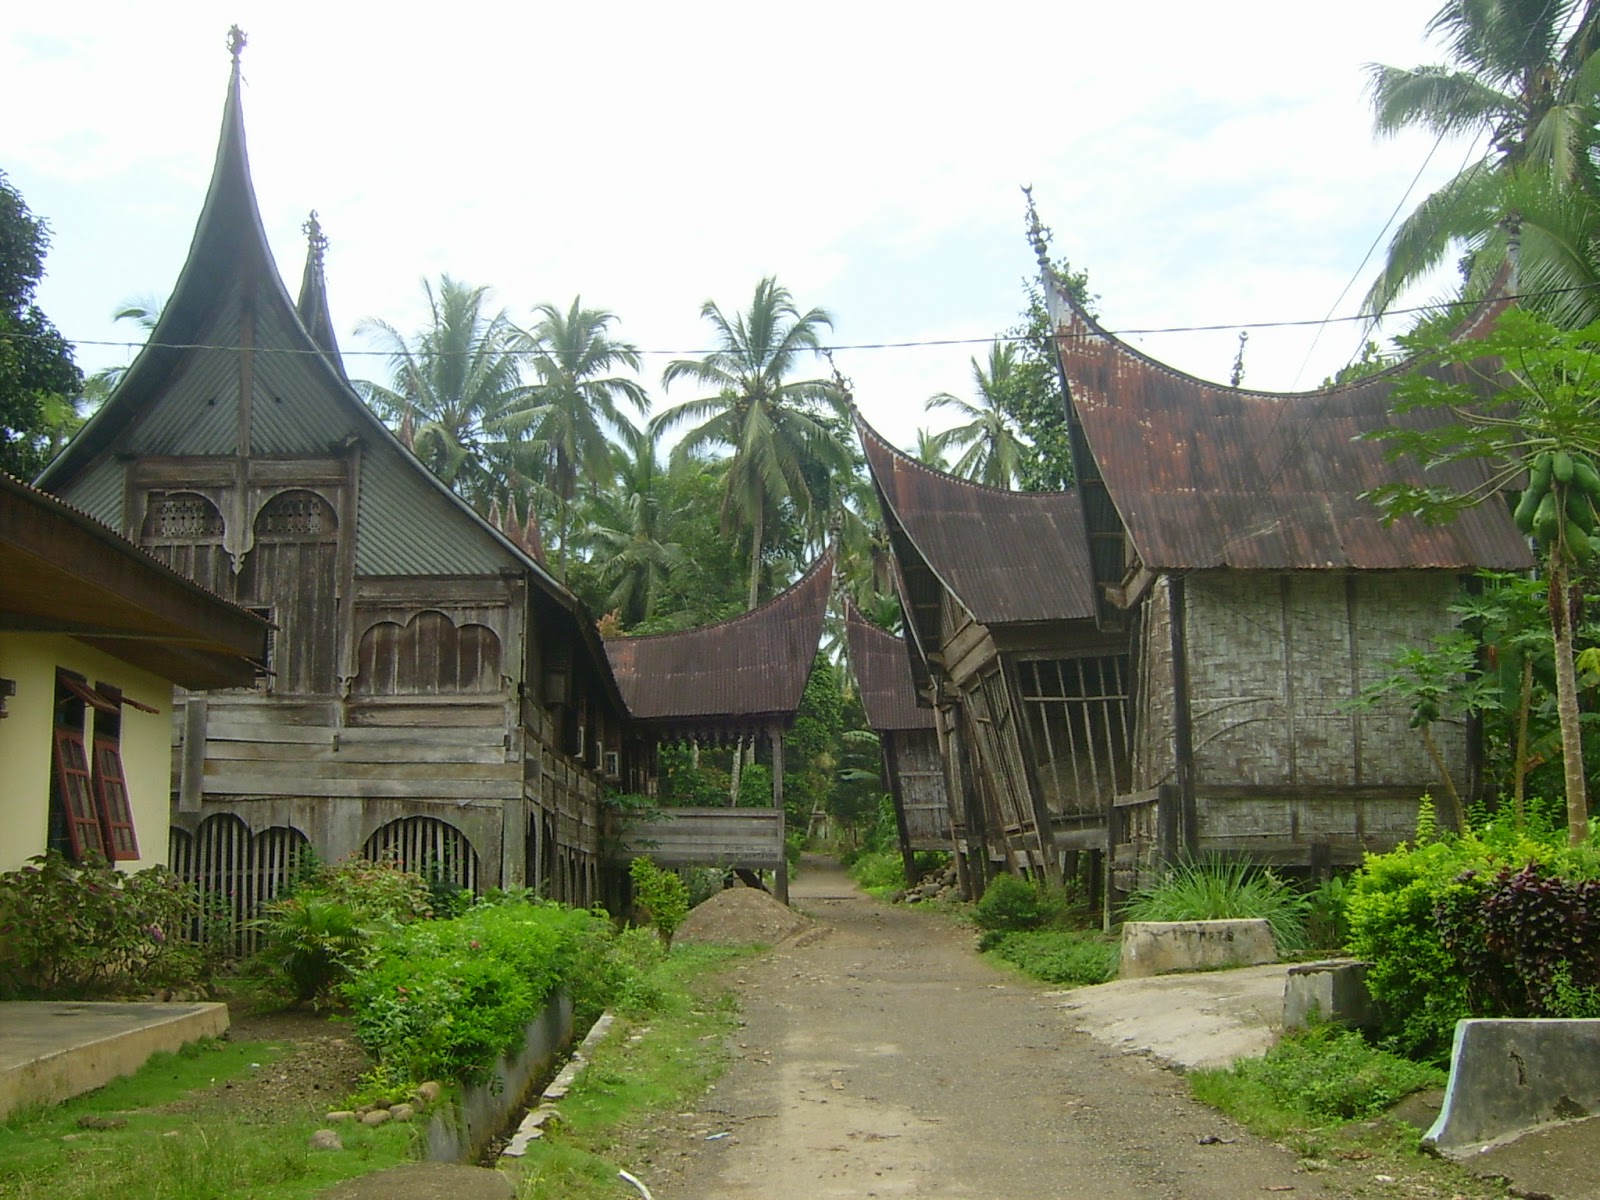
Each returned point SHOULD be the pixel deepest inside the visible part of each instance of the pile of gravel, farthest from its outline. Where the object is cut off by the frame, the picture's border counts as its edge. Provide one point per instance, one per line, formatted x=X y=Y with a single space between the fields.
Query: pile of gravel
x=739 y=916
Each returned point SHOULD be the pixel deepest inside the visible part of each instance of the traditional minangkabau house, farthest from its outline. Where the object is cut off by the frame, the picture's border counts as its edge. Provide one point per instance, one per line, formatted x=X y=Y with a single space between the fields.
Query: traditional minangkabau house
x=1030 y=688
x=1263 y=594
x=433 y=695
x=913 y=769
x=94 y=633
x=736 y=682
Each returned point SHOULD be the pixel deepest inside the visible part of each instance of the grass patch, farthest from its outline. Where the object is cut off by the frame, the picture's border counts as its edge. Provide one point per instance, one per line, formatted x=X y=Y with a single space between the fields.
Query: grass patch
x=1324 y=1076
x=650 y=1064
x=1211 y=888
x=879 y=872
x=45 y=1155
x=1062 y=956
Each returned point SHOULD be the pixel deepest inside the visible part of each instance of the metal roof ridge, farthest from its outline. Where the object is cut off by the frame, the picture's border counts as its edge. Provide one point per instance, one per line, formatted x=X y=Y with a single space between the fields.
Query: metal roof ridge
x=826 y=557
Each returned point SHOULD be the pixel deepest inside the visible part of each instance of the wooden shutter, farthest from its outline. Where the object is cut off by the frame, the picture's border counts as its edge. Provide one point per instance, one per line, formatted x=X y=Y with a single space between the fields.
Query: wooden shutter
x=111 y=790
x=77 y=792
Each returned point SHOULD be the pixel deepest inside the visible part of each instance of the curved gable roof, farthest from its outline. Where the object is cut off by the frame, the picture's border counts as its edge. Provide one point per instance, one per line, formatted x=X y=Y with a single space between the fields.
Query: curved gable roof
x=1206 y=475
x=883 y=675
x=1009 y=557
x=752 y=665
x=229 y=254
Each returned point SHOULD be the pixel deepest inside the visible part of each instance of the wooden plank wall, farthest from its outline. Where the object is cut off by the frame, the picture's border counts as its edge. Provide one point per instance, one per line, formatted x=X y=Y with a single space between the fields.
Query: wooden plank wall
x=922 y=788
x=442 y=748
x=713 y=837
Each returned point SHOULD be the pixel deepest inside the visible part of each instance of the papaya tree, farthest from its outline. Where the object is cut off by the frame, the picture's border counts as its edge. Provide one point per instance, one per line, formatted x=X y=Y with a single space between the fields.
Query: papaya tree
x=1541 y=435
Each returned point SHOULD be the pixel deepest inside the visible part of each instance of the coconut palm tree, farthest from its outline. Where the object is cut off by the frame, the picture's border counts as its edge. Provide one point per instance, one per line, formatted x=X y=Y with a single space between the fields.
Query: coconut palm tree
x=1525 y=74
x=626 y=531
x=990 y=449
x=772 y=424
x=451 y=385
x=575 y=401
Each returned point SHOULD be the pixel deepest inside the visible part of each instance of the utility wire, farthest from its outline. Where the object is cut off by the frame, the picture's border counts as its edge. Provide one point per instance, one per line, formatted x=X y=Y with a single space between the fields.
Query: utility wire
x=1225 y=326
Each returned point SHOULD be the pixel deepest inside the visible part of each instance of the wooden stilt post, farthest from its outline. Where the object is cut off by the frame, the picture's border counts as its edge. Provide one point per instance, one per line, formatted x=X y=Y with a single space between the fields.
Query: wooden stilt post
x=781 y=881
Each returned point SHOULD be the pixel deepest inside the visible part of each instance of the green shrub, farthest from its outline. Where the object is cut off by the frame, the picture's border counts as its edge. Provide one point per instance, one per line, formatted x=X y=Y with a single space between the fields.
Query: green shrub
x=1012 y=903
x=662 y=895
x=1527 y=941
x=879 y=872
x=80 y=930
x=1211 y=888
x=1323 y=1074
x=318 y=935
x=376 y=891
x=444 y=999
x=315 y=942
x=1327 y=923
x=1421 y=984
x=1059 y=955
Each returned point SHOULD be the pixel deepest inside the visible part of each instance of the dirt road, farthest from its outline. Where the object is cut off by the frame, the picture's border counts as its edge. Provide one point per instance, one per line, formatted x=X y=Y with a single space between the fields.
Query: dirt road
x=882 y=1058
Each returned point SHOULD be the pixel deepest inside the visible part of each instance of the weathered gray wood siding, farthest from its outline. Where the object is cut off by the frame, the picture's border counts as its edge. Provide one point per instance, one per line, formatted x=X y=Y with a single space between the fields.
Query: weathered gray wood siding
x=1284 y=769
x=1275 y=660
x=683 y=837
x=922 y=787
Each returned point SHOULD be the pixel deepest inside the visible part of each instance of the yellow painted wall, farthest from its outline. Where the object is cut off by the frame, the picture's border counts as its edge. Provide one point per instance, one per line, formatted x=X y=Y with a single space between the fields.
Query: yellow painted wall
x=32 y=660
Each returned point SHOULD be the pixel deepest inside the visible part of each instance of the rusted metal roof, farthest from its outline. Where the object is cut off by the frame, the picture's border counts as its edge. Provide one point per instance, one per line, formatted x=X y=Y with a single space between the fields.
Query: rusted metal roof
x=63 y=572
x=751 y=666
x=1009 y=557
x=1205 y=475
x=883 y=675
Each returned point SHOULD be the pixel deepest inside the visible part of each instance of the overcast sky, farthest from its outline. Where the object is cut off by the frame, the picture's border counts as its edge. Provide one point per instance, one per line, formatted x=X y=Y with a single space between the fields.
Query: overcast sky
x=1206 y=164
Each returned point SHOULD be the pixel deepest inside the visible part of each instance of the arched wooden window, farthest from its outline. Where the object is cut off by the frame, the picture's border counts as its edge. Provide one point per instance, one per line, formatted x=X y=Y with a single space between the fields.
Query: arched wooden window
x=291 y=570
x=237 y=874
x=427 y=656
x=184 y=530
x=434 y=849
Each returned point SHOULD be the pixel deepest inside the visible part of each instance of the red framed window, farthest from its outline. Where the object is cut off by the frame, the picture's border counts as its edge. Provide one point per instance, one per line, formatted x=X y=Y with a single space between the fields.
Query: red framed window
x=111 y=791
x=76 y=790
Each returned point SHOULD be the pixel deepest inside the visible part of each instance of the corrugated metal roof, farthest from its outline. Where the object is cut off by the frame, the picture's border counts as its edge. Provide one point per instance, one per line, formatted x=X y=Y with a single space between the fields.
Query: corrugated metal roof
x=883 y=675
x=1206 y=475
x=61 y=571
x=1009 y=557
x=753 y=665
x=405 y=529
x=410 y=522
x=99 y=492
x=197 y=411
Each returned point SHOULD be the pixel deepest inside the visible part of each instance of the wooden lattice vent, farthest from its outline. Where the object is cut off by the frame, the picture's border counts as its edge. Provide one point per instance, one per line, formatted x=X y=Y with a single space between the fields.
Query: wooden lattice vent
x=182 y=516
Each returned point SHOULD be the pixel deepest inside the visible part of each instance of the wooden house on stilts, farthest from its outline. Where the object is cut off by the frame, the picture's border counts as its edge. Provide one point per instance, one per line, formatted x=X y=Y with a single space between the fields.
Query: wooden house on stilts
x=433 y=695
x=1029 y=681
x=908 y=741
x=735 y=683
x=1261 y=594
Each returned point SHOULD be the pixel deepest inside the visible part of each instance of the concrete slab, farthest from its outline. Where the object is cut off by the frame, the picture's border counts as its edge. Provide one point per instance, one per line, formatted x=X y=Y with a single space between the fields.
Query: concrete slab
x=1210 y=1019
x=51 y=1051
x=1508 y=1076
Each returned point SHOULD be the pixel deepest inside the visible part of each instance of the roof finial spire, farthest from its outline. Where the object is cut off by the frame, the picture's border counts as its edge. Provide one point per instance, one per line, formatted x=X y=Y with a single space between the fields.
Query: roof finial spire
x=236 y=44
x=1038 y=234
x=314 y=235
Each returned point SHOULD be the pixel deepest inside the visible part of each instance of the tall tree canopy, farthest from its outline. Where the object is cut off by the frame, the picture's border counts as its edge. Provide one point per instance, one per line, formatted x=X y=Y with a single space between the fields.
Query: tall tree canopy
x=1525 y=73
x=576 y=401
x=38 y=377
x=450 y=386
x=771 y=422
x=987 y=446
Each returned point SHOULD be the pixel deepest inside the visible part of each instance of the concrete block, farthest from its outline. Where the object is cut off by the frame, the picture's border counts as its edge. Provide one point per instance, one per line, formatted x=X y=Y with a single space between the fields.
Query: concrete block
x=1509 y=1076
x=1161 y=947
x=1333 y=991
